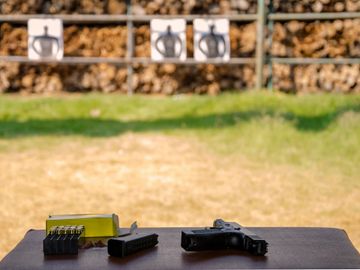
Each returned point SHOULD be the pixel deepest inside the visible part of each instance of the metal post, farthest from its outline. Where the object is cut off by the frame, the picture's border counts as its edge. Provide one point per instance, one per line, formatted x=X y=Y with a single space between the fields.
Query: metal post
x=130 y=49
x=260 y=44
x=270 y=26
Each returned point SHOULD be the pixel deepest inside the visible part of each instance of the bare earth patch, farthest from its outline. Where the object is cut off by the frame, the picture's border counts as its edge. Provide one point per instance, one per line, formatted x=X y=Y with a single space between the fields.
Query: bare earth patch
x=163 y=180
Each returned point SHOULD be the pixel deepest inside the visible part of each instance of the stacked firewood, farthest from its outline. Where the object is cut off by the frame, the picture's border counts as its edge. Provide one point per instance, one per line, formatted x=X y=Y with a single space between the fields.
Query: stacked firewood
x=171 y=79
x=336 y=38
x=314 y=78
x=78 y=41
x=318 y=39
x=20 y=6
x=201 y=79
x=13 y=40
x=62 y=6
x=9 y=72
x=164 y=79
x=29 y=78
x=242 y=40
x=139 y=7
x=316 y=5
x=95 y=41
x=174 y=7
x=111 y=42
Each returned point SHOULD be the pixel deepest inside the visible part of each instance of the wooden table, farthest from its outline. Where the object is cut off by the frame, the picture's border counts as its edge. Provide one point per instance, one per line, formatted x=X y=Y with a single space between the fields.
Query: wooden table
x=289 y=248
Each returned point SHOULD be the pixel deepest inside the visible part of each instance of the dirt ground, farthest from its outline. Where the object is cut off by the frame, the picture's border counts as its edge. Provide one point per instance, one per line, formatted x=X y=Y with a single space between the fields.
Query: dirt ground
x=162 y=180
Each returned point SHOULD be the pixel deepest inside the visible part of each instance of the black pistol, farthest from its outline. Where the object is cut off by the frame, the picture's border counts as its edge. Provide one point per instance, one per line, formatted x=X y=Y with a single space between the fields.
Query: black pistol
x=223 y=235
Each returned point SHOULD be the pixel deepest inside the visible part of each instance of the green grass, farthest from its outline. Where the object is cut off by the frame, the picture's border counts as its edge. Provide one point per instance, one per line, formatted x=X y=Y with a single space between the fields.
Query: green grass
x=294 y=159
x=312 y=130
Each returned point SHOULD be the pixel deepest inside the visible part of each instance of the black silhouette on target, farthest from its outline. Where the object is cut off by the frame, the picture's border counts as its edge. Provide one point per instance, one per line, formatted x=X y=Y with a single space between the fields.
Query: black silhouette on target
x=210 y=44
x=170 y=42
x=46 y=44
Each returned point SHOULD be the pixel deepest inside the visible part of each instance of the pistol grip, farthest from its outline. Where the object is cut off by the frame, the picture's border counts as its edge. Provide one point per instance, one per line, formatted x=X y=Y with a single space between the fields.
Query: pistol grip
x=192 y=241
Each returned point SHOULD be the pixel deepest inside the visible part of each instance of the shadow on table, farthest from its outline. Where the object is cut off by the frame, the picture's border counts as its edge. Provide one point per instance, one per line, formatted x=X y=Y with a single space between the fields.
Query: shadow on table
x=220 y=255
x=61 y=257
x=138 y=256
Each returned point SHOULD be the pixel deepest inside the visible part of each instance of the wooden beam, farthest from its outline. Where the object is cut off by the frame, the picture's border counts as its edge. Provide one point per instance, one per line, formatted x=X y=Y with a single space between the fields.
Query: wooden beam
x=308 y=61
x=123 y=18
x=313 y=16
x=125 y=61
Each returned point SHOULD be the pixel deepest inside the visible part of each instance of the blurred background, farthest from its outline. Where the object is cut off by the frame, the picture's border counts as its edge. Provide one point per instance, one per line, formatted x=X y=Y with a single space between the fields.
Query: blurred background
x=202 y=143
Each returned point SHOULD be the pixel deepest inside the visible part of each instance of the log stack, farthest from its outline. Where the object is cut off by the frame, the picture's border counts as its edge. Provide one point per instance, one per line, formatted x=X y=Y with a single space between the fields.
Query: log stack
x=171 y=79
x=334 y=38
x=338 y=38
x=95 y=41
x=78 y=41
x=29 y=78
x=242 y=40
x=318 y=39
x=304 y=6
x=62 y=7
x=111 y=42
x=315 y=78
x=13 y=40
x=9 y=73
x=202 y=79
x=174 y=7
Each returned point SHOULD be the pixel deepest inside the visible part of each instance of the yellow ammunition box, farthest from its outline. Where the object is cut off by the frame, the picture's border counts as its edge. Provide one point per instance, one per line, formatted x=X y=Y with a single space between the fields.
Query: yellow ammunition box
x=104 y=225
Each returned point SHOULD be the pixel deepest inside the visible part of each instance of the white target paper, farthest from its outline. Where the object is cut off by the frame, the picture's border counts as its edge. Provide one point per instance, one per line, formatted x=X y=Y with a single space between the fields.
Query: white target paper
x=211 y=39
x=168 y=39
x=45 y=39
